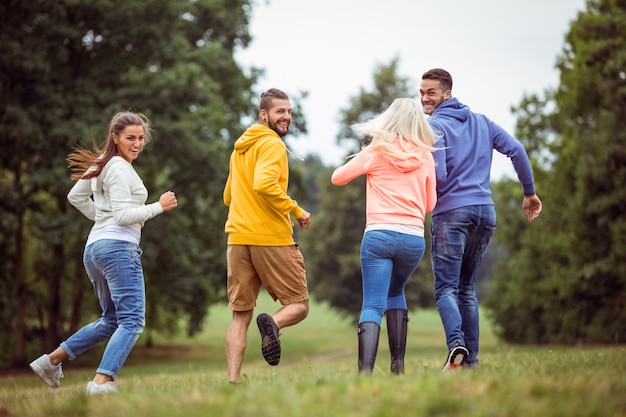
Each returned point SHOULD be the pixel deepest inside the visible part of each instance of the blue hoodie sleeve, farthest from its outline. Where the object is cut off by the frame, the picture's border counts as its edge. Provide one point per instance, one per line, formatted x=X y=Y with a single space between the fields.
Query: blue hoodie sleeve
x=507 y=145
x=441 y=169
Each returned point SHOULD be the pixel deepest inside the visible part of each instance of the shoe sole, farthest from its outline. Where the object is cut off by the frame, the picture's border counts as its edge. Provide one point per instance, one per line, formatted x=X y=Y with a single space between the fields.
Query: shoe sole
x=451 y=361
x=270 y=344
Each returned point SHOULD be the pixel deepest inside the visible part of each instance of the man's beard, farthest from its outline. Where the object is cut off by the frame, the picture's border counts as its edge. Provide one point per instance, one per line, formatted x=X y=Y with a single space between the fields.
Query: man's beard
x=274 y=127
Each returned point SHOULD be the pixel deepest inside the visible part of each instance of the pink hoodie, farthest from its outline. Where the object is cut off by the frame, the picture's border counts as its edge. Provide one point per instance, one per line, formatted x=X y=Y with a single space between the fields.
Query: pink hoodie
x=398 y=192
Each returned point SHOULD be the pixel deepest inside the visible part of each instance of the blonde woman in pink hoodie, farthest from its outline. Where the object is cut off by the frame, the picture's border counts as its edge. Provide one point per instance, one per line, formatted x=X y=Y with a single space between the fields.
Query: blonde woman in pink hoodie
x=401 y=190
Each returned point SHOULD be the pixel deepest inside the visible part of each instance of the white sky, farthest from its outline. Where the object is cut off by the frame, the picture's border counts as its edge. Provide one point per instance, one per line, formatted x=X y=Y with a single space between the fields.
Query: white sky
x=496 y=51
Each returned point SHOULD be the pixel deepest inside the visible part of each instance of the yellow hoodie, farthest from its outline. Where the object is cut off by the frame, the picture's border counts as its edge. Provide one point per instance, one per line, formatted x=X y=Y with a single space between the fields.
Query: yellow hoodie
x=256 y=191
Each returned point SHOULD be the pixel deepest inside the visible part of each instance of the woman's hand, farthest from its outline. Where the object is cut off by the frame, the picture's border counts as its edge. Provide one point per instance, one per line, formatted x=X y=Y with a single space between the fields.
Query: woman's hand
x=168 y=201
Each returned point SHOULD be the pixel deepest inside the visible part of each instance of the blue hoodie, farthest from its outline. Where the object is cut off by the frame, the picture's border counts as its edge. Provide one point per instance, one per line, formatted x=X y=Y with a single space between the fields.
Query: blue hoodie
x=463 y=165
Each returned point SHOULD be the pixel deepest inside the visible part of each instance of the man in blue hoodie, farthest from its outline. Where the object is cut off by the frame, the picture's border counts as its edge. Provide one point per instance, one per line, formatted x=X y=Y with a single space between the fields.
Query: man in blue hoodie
x=464 y=218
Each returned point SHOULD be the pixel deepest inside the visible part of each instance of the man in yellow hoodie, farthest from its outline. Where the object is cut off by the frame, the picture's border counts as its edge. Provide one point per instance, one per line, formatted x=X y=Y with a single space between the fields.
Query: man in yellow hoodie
x=261 y=249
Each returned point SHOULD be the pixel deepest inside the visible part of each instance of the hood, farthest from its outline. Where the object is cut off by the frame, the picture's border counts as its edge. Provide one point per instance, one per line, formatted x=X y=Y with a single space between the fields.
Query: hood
x=402 y=165
x=252 y=135
x=408 y=165
x=452 y=108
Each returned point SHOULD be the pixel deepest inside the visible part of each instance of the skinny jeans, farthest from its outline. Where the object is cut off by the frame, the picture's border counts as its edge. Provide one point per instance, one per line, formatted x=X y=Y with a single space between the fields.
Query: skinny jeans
x=388 y=259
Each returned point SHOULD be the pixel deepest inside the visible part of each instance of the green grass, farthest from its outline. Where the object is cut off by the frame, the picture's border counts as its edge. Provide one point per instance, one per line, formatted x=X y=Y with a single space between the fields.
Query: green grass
x=317 y=376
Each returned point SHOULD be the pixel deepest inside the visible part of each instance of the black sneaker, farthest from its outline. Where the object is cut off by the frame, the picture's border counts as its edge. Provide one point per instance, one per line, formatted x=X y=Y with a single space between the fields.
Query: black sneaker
x=456 y=358
x=270 y=345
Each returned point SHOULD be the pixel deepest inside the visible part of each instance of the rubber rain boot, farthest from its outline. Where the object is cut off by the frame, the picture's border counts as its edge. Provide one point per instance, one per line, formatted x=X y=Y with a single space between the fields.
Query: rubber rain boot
x=397 y=320
x=368 y=346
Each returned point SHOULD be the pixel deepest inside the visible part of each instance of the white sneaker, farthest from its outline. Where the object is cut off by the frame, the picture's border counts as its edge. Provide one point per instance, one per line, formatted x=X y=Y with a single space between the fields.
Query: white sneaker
x=50 y=373
x=106 y=388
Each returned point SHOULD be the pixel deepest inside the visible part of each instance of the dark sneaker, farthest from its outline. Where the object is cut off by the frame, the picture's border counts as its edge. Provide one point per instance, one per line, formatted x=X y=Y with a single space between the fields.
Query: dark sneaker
x=456 y=358
x=270 y=345
x=50 y=373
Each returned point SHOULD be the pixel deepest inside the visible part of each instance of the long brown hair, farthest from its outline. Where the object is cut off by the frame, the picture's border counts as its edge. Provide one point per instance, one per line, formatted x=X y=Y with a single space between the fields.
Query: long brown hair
x=86 y=164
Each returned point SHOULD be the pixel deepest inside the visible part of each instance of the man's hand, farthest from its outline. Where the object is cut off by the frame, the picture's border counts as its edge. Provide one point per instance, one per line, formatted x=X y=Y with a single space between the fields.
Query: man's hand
x=532 y=207
x=305 y=220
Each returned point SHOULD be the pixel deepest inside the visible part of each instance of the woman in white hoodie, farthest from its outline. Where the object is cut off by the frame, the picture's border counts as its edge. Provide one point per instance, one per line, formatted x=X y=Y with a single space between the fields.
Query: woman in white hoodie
x=112 y=256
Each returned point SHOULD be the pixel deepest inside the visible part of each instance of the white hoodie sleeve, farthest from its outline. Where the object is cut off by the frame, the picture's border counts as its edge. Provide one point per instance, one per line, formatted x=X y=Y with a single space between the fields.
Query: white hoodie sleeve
x=80 y=197
x=127 y=195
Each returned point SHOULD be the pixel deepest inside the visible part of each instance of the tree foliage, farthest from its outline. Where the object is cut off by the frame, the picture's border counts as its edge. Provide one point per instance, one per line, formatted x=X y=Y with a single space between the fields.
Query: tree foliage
x=333 y=262
x=566 y=279
x=65 y=68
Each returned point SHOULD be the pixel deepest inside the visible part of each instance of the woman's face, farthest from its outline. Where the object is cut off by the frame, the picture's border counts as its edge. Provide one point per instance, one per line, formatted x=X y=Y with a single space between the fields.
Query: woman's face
x=129 y=142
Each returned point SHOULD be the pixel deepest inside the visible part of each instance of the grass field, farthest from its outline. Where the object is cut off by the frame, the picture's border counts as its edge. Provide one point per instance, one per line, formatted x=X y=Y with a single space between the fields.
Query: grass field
x=317 y=376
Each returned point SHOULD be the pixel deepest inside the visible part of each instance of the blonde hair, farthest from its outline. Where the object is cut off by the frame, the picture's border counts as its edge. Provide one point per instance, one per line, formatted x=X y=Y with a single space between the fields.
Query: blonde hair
x=86 y=164
x=405 y=121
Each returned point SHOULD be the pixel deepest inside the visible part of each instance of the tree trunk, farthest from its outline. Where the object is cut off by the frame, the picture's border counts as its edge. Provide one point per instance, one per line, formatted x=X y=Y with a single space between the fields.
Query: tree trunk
x=19 y=306
x=78 y=293
x=53 y=276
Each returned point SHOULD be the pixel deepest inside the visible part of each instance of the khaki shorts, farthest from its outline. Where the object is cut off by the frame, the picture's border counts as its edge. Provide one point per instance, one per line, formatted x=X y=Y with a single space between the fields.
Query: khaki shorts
x=279 y=268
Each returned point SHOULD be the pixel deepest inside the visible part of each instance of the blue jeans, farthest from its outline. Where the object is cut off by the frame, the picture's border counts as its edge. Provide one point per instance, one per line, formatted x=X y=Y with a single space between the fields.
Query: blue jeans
x=114 y=268
x=459 y=242
x=387 y=261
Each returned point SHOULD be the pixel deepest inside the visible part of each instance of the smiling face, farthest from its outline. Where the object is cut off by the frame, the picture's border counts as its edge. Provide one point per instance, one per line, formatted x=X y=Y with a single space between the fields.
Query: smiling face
x=278 y=117
x=432 y=95
x=129 y=142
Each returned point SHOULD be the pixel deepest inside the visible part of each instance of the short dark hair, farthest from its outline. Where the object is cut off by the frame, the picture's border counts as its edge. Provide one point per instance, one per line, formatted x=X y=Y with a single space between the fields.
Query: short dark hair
x=441 y=75
x=269 y=95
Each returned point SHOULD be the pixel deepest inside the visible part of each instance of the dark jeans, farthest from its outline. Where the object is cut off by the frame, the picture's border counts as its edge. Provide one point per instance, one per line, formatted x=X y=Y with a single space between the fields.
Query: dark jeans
x=459 y=242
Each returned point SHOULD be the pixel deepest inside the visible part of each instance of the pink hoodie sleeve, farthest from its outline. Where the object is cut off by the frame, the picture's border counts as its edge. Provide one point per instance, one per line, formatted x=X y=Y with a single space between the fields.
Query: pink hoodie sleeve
x=352 y=169
x=431 y=186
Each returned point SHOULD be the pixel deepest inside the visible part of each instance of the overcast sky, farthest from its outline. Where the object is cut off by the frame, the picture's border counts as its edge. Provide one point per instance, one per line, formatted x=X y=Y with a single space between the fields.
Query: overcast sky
x=496 y=51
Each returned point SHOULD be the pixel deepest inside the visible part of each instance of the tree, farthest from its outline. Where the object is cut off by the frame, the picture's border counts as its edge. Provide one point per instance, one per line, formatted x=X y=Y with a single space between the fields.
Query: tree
x=333 y=261
x=65 y=68
x=567 y=280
